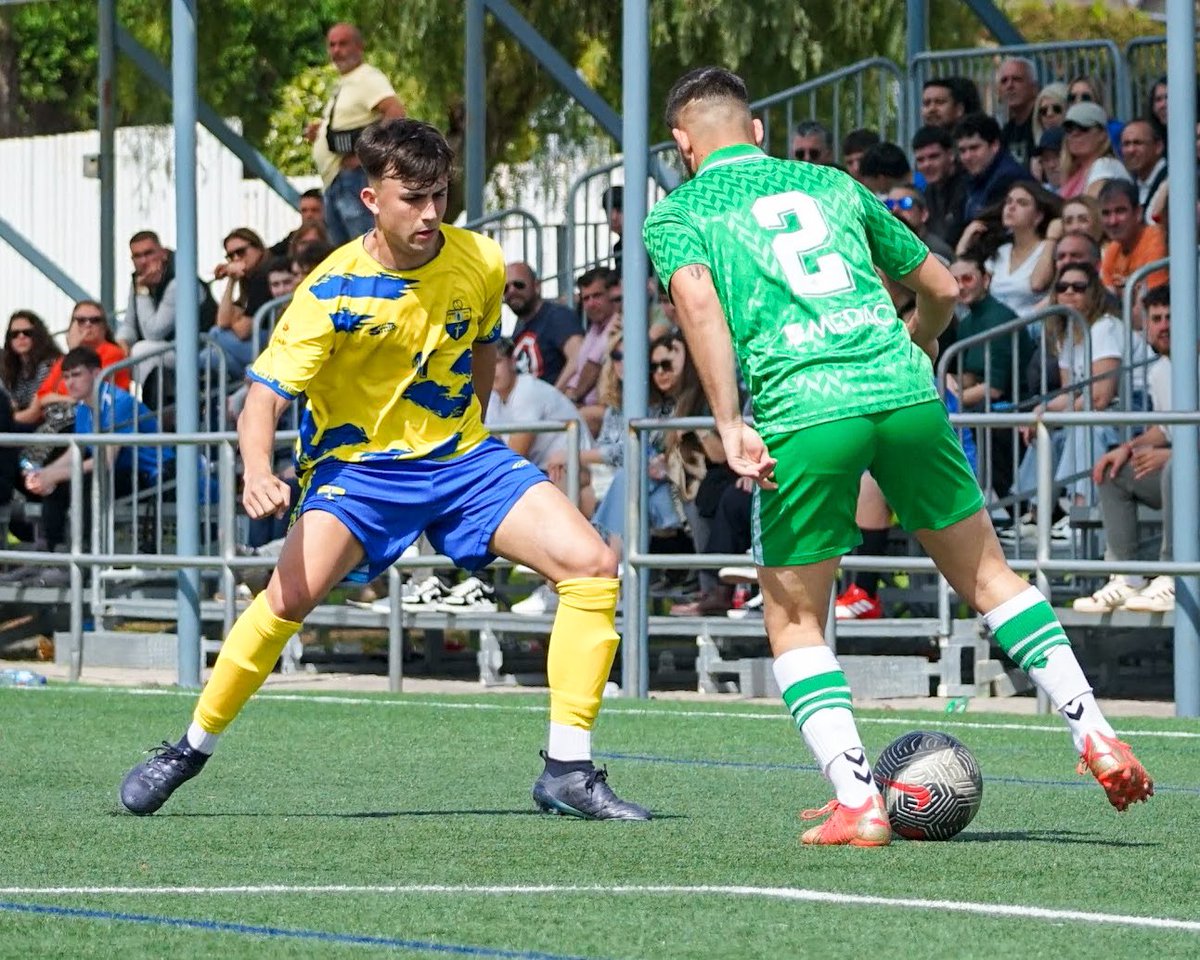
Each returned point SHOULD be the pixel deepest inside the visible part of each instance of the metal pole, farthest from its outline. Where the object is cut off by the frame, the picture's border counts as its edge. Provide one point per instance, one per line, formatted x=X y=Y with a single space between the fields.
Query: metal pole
x=187 y=332
x=106 y=124
x=1185 y=458
x=1045 y=506
x=635 y=76
x=476 y=93
x=916 y=42
x=395 y=629
x=76 y=518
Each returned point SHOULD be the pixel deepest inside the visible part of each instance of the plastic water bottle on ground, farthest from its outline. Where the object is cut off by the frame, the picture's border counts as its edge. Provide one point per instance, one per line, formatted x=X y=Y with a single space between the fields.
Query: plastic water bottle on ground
x=21 y=678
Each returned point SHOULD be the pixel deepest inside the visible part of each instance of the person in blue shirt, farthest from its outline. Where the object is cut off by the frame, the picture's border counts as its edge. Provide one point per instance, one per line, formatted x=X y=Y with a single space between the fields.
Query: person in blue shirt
x=114 y=411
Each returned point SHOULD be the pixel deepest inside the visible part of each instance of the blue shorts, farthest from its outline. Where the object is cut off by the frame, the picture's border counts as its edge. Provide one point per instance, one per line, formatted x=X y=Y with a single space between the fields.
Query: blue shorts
x=457 y=503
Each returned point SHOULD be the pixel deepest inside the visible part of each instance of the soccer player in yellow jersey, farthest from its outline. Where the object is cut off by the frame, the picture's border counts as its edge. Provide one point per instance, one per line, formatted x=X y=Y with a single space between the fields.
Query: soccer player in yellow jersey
x=393 y=342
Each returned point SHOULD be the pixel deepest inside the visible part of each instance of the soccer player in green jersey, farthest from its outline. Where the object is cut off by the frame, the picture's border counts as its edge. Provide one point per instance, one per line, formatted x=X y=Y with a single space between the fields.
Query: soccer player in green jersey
x=776 y=261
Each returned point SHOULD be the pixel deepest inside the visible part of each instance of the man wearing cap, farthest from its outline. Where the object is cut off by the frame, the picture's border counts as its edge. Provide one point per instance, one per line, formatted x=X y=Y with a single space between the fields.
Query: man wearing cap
x=1142 y=151
x=1047 y=159
x=1088 y=159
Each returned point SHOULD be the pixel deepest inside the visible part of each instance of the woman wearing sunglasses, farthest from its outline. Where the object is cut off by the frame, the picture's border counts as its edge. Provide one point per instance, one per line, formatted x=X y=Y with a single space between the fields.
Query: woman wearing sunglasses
x=246 y=289
x=1050 y=108
x=1087 y=159
x=29 y=354
x=89 y=328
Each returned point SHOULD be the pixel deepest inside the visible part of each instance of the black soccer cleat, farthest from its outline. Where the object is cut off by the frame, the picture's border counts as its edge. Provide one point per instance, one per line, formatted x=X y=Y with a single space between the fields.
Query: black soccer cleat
x=148 y=785
x=584 y=794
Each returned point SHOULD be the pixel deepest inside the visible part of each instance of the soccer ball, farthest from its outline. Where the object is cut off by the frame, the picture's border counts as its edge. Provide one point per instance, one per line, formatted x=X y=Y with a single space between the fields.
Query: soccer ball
x=930 y=783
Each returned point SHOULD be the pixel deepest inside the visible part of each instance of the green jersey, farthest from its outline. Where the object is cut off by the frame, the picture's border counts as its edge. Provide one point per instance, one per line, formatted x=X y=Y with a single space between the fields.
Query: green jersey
x=792 y=249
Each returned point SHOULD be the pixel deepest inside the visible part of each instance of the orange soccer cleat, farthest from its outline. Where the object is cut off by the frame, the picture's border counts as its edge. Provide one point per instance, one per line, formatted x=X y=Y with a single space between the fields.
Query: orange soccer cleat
x=863 y=826
x=1116 y=769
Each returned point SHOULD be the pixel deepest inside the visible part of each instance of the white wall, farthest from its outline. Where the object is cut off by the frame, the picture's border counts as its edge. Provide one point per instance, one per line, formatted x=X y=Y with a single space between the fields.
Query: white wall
x=45 y=196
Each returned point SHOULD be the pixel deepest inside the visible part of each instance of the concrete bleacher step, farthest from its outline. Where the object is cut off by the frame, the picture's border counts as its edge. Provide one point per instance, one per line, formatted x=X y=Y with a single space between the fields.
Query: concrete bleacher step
x=121 y=648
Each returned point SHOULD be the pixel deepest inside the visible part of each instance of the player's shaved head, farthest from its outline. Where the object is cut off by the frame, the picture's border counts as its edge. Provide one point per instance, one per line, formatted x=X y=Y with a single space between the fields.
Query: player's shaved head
x=707 y=93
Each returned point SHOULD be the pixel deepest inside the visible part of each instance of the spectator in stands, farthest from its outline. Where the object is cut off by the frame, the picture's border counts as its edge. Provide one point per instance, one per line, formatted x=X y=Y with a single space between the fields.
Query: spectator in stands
x=583 y=370
x=1088 y=159
x=53 y=404
x=908 y=204
x=945 y=184
x=312 y=211
x=1050 y=109
x=1046 y=164
x=990 y=373
x=1076 y=248
x=1081 y=214
x=281 y=278
x=246 y=290
x=519 y=397
x=1158 y=106
x=149 y=320
x=1136 y=472
x=812 y=142
x=118 y=412
x=1143 y=152
x=547 y=335
x=990 y=167
x=1022 y=267
x=307 y=258
x=946 y=100
x=854 y=146
x=310 y=233
x=613 y=202
x=362 y=95
x=1078 y=286
x=1018 y=87
x=29 y=353
x=882 y=167
x=1132 y=243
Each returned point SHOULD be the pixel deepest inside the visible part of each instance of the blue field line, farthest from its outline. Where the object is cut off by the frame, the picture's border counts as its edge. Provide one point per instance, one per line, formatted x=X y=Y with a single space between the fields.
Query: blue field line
x=1081 y=783
x=321 y=936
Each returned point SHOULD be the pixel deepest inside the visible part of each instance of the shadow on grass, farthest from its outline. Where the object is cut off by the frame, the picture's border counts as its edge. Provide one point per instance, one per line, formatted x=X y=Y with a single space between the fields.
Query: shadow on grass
x=1048 y=836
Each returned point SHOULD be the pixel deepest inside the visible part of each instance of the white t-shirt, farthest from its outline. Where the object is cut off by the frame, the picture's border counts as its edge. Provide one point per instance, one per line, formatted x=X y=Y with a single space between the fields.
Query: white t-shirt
x=353 y=104
x=1015 y=289
x=1108 y=343
x=532 y=400
x=1106 y=168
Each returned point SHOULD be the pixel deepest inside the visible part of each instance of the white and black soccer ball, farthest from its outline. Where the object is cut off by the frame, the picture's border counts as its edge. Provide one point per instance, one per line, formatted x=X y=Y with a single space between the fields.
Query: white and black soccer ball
x=930 y=783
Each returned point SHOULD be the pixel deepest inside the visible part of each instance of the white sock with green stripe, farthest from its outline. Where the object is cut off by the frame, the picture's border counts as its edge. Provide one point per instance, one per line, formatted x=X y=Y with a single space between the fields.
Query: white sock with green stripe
x=818 y=698
x=1029 y=632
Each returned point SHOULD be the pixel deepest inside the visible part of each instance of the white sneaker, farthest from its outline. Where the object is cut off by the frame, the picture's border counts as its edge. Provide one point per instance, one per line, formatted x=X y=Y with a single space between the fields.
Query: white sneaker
x=1111 y=596
x=543 y=600
x=752 y=609
x=1060 y=530
x=415 y=597
x=1157 y=597
x=470 y=595
x=737 y=575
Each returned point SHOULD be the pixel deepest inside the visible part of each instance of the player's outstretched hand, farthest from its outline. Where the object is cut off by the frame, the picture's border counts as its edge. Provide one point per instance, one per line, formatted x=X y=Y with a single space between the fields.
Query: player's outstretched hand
x=747 y=455
x=264 y=495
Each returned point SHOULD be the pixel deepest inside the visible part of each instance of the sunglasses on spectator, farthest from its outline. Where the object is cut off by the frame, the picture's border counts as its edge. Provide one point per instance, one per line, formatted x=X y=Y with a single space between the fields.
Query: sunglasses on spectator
x=1077 y=286
x=800 y=153
x=236 y=253
x=20 y=332
x=87 y=318
x=1080 y=98
x=1048 y=108
x=618 y=355
x=904 y=203
x=662 y=366
x=515 y=284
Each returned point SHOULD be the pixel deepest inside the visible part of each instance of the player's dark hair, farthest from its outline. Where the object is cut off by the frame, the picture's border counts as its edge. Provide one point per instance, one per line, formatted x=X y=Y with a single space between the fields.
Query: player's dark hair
x=404 y=149
x=704 y=83
x=81 y=357
x=143 y=235
x=884 y=160
x=929 y=135
x=1159 y=296
x=978 y=125
x=1114 y=189
x=857 y=141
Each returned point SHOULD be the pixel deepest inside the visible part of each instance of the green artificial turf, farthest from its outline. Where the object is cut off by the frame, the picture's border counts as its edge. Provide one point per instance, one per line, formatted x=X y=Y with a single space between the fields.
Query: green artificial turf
x=376 y=790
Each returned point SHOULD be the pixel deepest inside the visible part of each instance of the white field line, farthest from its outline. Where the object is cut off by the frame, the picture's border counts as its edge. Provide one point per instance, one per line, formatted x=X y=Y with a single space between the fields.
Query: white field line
x=767 y=893
x=610 y=709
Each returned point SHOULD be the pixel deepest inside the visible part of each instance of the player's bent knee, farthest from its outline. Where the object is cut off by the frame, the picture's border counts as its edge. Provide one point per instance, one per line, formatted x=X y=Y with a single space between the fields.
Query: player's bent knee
x=598 y=561
x=289 y=601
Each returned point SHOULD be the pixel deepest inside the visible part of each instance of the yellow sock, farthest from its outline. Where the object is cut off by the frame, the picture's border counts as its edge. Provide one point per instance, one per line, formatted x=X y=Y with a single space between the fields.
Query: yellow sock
x=583 y=643
x=247 y=656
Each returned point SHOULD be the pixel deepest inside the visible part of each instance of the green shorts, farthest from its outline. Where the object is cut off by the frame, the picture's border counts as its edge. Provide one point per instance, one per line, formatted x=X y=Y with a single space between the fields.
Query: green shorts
x=913 y=454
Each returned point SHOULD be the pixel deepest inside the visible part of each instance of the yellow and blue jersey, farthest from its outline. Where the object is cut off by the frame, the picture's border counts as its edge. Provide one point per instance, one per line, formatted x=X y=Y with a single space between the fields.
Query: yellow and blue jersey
x=384 y=356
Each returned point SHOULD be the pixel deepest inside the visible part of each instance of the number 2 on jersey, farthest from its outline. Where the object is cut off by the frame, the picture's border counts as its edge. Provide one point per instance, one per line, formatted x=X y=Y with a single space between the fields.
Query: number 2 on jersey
x=778 y=213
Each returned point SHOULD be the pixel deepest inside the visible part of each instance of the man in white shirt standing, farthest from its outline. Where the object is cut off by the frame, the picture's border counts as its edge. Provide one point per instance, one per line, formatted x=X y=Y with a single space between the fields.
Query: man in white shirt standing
x=362 y=96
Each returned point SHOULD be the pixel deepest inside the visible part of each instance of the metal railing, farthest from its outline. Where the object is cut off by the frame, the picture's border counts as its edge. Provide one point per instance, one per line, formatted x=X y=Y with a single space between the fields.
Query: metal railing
x=1101 y=60
x=518 y=232
x=1145 y=63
